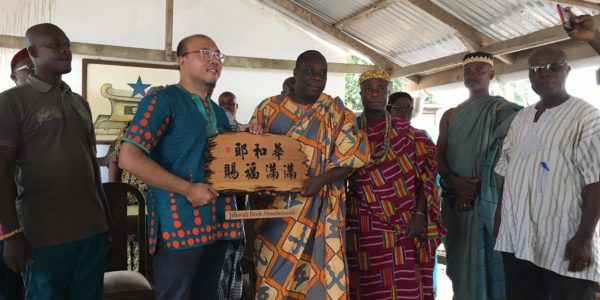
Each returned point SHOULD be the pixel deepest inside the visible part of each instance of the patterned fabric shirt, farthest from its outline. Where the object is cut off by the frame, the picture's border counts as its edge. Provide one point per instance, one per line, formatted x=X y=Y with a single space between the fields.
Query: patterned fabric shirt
x=304 y=257
x=546 y=165
x=383 y=261
x=169 y=127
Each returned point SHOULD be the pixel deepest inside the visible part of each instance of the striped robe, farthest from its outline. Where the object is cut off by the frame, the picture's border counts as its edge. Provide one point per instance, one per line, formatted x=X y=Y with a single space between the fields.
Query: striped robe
x=384 y=263
x=545 y=166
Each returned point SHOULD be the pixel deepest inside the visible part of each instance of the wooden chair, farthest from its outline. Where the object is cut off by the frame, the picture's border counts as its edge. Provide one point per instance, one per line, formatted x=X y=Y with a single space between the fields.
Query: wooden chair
x=119 y=283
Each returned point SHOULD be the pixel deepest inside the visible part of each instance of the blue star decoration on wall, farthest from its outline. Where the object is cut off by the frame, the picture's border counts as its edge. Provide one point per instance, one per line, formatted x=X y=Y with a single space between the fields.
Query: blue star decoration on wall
x=139 y=87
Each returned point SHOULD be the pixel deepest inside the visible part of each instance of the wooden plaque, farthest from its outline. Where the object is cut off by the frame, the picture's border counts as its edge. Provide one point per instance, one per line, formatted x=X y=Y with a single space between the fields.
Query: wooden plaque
x=245 y=162
x=262 y=214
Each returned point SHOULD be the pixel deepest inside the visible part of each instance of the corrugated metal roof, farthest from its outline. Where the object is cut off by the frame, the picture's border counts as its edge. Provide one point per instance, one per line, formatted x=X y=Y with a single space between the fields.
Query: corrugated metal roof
x=334 y=11
x=505 y=19
x=408 y=35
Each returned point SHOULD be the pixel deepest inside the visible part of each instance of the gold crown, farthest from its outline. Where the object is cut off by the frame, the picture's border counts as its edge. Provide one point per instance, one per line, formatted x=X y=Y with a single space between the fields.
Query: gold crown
x=371 y=74
x=482 y=59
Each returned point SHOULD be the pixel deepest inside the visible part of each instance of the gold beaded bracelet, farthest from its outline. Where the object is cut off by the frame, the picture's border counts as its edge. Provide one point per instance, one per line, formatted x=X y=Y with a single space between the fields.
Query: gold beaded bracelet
x=11 y=234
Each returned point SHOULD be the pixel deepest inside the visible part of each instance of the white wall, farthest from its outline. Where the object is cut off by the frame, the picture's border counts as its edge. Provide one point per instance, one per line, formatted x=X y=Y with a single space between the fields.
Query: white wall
x=239 y=27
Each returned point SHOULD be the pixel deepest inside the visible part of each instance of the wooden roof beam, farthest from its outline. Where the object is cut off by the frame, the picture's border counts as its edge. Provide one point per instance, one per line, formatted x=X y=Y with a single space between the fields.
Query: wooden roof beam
x=574 y=49
x=158 y=56
x=508 y=59
x=379 y=5
x=475 y=39
x=169 y=30
x=535 y=39
x=317 y=22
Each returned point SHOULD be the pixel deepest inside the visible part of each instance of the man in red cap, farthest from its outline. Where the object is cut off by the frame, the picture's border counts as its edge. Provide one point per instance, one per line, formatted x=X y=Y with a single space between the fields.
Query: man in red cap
x=11 y=283
x=21 y=67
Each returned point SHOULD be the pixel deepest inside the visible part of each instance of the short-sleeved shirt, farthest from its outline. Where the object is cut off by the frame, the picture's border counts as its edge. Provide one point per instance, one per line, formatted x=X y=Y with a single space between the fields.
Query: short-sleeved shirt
x=169 y=127
x=51 y=127
x=546 y=165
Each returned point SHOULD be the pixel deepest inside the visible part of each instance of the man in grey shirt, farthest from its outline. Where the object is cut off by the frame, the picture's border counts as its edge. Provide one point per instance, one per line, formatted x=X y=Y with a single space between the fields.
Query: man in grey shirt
x=52 y=208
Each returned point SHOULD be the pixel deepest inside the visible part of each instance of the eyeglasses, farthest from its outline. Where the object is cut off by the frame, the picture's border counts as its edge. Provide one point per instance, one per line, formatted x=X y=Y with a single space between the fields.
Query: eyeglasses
x=554 y=67
x=399 y=108
x=207 y=54
x=24 y=67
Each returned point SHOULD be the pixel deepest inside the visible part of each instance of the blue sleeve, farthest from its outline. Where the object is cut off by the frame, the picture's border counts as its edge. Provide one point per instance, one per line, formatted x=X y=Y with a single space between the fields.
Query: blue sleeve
x=151 y=121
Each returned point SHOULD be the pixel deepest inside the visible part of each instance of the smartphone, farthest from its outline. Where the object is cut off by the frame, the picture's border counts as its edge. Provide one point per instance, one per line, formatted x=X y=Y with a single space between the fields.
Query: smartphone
x=564 y=16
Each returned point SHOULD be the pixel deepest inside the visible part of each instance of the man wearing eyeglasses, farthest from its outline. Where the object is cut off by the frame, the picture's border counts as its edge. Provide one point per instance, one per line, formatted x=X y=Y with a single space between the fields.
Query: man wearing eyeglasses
x=470 y=138
x=196 y=251
x=547 y=219
x=11 y=283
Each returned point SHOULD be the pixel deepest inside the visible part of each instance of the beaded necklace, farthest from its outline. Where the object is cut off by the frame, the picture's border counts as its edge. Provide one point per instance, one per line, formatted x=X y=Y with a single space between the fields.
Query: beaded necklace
x=379 y=154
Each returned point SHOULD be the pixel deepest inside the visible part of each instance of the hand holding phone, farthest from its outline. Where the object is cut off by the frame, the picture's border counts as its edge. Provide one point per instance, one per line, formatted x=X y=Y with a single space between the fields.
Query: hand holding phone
x=565 y=16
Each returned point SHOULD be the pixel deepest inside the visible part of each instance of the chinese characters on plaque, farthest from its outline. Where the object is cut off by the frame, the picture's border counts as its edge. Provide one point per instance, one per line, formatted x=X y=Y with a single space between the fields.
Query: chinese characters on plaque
x=245 y=162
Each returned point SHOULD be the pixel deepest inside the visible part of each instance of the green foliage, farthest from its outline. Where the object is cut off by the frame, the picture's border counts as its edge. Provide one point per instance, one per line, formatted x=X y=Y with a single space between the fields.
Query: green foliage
x=352 y=92
x=430 y=100
x=514 y=91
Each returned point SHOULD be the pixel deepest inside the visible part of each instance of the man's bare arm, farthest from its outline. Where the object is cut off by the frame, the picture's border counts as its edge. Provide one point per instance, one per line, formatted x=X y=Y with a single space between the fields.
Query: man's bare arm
x=584 y=29
x=442 y=143
x=579 y=250
x=498 y=214
x=17 y=249
x=8 y=196
x=136 y=162
x=465 y=188
x=590 y=211
x=313 y=185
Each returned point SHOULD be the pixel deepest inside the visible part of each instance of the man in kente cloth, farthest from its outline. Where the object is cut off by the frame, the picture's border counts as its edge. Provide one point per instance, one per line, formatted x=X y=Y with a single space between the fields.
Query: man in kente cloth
x=394 y=224
x=469 y=144
x=304 y=257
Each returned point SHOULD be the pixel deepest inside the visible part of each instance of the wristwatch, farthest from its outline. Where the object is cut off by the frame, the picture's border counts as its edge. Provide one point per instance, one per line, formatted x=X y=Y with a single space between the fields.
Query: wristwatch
x=444 y=181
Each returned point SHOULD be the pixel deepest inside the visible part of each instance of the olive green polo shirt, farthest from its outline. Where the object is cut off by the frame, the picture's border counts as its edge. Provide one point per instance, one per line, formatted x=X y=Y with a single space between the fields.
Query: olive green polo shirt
x=51 y=127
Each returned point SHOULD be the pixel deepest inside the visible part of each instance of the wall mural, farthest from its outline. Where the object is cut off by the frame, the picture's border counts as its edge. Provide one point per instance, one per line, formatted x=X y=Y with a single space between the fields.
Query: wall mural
x=114 y=90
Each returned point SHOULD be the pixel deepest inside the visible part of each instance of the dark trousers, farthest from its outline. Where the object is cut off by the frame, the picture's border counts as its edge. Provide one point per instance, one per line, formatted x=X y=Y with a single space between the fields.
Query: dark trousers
x=526 y=281
x=11 y=283
x=73 y=270
x=189 y=274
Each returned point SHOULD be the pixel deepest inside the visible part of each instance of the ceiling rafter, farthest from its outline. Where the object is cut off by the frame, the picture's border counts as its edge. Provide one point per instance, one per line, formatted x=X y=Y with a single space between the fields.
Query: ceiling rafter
x=466 y=31
x=473 y=39
x=535 y=39
x=169 y=30
x=158 y=56
x=574 y=50
x=317 y=22
x=379 y=5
